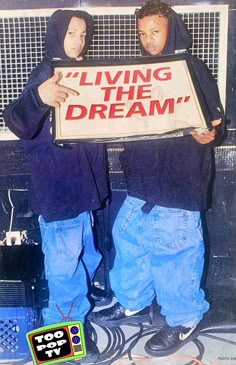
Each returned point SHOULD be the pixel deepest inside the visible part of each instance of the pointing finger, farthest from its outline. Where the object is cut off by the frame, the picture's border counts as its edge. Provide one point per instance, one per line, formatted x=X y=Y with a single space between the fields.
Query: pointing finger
x=67 y=90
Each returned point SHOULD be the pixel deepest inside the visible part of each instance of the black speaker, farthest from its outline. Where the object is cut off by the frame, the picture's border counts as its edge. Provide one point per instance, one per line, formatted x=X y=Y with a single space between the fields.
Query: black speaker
x=17 y=293
x=23 y=262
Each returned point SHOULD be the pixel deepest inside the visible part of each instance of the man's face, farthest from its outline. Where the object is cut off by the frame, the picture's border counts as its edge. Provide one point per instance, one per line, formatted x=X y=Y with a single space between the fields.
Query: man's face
x=75 y=37
x=153 y=31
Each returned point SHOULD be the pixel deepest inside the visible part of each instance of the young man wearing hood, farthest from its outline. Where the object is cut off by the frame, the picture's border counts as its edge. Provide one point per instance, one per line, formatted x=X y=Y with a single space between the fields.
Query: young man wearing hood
x=67 y=182
x=158 y=233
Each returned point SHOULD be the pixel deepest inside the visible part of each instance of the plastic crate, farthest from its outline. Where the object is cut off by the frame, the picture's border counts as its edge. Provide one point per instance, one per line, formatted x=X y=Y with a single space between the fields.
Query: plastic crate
x=15 y=322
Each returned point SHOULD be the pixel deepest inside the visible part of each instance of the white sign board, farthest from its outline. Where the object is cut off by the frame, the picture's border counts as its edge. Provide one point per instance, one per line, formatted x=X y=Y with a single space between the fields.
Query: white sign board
x=118 y=101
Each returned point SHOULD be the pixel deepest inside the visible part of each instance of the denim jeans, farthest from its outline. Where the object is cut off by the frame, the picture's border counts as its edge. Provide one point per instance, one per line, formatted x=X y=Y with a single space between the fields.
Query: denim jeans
x=160 y=254
x=70 y=262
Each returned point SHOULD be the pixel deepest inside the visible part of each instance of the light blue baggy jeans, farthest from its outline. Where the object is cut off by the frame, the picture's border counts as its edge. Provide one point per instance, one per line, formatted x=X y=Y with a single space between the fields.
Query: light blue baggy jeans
x=70 y=262
x=160 y=254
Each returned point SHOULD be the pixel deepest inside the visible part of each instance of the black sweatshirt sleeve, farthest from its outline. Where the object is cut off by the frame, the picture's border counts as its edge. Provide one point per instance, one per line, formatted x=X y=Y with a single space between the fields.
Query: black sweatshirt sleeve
x=211 y=94
x=26 y=115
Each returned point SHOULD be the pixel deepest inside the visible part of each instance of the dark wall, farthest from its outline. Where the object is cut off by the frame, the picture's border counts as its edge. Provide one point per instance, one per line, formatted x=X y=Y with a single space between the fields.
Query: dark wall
x=231 y=70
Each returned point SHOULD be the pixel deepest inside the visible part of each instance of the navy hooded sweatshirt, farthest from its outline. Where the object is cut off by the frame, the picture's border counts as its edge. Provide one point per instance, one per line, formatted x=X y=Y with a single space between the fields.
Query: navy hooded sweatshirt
x=65 y=181
x=174 y=172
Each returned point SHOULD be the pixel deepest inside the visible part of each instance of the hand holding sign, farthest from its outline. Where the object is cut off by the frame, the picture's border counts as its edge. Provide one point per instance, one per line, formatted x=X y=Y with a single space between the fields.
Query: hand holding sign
x=52 y=93
x=208 y=136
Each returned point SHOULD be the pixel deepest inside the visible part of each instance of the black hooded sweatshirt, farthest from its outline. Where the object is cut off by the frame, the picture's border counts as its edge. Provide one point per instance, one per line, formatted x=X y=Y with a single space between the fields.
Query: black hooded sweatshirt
x=174 y=172
x=65 y=181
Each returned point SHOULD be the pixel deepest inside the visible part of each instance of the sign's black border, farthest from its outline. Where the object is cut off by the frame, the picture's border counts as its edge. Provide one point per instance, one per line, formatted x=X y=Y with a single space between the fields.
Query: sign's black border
x=131 y=61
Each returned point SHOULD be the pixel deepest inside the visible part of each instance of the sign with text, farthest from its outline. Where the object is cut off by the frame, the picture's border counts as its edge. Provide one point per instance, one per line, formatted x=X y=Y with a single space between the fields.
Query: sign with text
x=57 y=343
x=131 y=99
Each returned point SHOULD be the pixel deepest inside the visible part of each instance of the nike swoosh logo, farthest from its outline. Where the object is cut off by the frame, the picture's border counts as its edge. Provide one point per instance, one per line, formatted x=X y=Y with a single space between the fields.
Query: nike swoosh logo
x=184 y=336
x=129 y=313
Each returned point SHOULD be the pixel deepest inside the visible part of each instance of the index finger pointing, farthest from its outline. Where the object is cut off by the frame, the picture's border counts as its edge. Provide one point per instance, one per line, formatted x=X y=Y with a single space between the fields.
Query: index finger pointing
x=68 y=90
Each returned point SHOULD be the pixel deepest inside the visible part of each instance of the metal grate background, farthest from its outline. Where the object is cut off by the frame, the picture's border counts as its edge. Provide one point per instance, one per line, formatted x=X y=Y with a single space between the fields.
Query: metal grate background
x=22 y=42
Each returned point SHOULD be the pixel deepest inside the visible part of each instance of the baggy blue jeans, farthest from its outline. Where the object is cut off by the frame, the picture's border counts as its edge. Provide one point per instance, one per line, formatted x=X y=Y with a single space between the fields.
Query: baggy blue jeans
x=70 y=262
x=160 y=254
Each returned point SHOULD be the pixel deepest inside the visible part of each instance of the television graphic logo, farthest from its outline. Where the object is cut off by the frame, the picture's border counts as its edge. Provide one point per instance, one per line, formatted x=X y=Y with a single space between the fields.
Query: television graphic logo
x=57 y=342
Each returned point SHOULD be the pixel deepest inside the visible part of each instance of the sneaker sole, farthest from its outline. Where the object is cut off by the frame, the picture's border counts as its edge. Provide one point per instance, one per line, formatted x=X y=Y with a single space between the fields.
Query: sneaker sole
x=160 y=353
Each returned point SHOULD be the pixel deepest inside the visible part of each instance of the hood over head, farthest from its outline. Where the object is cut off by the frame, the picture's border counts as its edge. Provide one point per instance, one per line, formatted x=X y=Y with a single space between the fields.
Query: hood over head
x=56 y=30
x=178 y=37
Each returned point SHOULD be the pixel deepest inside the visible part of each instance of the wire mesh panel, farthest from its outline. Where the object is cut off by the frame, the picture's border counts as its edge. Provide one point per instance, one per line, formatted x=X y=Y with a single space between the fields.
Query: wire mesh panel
x=205 y=28
x=114 y=37
x=21 y=50
x=22 y=42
